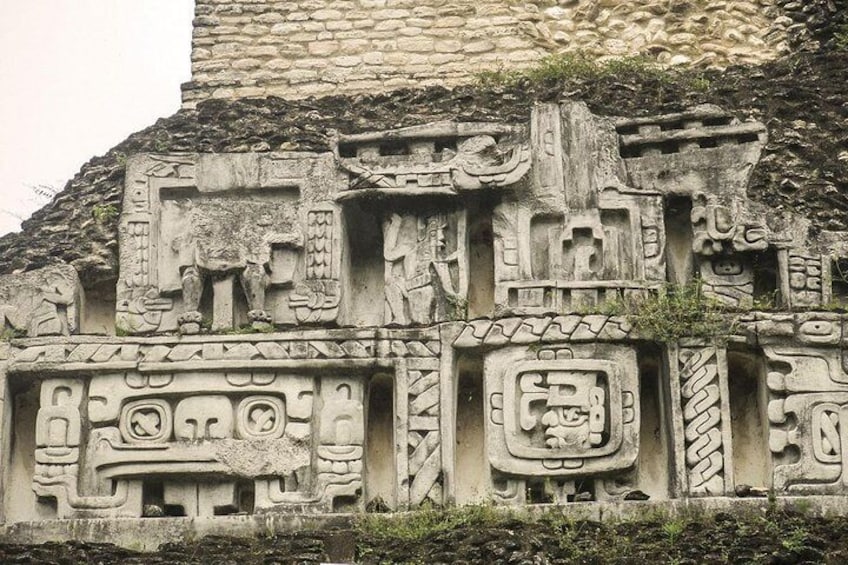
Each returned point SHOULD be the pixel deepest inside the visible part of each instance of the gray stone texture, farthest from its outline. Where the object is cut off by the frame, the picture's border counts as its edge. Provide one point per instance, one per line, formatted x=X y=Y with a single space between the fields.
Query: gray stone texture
x=297 y=49
x=330 y=331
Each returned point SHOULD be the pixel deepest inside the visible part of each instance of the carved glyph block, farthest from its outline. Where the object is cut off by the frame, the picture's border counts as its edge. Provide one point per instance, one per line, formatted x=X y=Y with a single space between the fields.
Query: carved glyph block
x=808 y=414
x=565 y=412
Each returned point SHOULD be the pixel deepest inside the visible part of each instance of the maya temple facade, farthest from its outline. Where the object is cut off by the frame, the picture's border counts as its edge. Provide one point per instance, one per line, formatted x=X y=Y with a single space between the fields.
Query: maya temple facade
x=427 y=315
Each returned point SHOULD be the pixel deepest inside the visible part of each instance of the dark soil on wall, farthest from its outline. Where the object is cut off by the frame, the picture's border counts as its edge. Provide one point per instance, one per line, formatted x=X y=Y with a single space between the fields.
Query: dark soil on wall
x=767 y=538
x=802 y=99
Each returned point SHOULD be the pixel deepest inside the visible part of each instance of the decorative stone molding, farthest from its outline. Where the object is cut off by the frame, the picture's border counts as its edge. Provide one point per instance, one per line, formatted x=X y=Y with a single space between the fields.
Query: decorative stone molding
x=422 y=316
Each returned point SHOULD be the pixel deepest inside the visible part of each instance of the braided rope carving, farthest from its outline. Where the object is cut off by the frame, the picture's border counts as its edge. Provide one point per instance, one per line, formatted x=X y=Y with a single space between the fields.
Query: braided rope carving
x=702 y=420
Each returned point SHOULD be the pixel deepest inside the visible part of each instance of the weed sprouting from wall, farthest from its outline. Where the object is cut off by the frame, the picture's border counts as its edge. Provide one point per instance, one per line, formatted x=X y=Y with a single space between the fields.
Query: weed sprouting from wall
x=675 y=312
x=582 y=67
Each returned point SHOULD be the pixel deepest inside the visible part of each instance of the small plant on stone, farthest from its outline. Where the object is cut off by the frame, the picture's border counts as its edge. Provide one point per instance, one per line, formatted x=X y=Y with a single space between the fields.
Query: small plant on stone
x=796 y=540
x=674 y=312
x=8 y=334
x=840 y=37
x=457 y=307
x=104 y=212
x=672 y=530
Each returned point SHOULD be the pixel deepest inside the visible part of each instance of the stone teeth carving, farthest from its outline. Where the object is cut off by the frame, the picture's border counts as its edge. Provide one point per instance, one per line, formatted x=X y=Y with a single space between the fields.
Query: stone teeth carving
x=808 y=280
x=316 y=300
x=43 y=302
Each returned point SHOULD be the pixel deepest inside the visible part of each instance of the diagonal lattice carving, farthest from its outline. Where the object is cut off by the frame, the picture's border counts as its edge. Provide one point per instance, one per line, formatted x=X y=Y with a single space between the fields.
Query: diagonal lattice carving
x=424 y=440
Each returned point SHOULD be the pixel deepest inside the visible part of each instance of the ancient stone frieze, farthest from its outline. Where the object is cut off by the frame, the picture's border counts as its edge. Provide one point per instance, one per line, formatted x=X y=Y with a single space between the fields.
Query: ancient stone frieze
x=810 y=391
x=445 y=313
x=259 y=230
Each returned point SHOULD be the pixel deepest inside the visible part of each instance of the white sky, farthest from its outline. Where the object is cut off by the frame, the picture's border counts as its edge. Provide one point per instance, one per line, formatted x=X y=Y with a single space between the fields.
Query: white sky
x=76 y=78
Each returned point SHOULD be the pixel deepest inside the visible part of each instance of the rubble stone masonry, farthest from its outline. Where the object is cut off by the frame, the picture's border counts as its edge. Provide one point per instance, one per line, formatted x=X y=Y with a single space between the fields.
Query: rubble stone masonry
x=256 y=48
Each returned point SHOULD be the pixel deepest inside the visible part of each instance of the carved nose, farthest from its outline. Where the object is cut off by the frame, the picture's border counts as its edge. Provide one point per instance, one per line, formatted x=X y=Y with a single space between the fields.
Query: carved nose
x=203 y=418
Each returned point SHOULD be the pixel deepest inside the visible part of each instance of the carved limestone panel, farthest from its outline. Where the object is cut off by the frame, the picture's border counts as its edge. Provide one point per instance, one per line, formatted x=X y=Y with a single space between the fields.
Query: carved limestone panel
x=426 y=267
x=807 y=279
x=701 y=410
x=585 y=237
x=459 y=276
x=807 y=415
x=562 y=411
x=297 y=441
x=43 y=302
x=259 y=232
x=728 y=279
x=442 y=158
x=424 y=440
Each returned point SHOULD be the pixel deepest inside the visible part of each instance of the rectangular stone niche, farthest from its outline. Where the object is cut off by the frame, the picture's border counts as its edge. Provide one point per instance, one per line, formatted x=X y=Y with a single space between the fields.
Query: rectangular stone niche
x=20 y=501
x=380 y=494
x=748 y=417
x=652 y=468
x=472 y=469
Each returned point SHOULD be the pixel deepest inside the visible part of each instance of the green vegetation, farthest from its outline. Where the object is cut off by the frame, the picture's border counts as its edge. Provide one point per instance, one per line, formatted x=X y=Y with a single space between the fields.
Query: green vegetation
x=674 y=312
x=8 y=334
x=104 y=212
x=582 y=67
x=840 y=37
x=672 y=529
x=489 y=534
x=426 y=522
x=457 y=307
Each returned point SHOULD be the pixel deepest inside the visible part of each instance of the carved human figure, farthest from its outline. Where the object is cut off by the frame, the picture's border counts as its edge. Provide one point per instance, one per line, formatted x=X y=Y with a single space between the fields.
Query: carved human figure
x=38 y=310
x=418 y=278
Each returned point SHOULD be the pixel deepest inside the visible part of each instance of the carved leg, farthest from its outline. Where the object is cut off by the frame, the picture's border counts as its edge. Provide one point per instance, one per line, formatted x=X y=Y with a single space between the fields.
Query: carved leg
x=254 y=280
x=395 y=302
x=421 y=302
x=192 y=282
x=447 y=304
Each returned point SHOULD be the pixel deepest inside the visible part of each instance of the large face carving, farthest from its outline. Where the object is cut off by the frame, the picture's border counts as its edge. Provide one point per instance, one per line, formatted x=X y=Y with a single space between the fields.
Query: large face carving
x=562 y=412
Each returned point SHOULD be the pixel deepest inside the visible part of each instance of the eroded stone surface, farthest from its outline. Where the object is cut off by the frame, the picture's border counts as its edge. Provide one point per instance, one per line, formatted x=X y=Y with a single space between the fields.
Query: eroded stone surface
x=431 y=315
x=42 y=302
